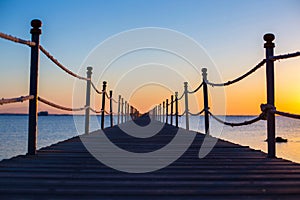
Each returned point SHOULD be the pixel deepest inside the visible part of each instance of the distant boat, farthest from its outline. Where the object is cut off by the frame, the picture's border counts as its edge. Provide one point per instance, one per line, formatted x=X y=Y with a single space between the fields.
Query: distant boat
x=43 y=113
x=279 y=140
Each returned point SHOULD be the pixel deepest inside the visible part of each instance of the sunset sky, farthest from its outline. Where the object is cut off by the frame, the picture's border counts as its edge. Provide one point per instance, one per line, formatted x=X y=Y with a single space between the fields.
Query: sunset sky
x=230 y=32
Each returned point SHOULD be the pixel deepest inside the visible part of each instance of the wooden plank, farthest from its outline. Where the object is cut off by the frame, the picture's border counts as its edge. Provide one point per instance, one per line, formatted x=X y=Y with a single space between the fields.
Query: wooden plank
x=67 y=170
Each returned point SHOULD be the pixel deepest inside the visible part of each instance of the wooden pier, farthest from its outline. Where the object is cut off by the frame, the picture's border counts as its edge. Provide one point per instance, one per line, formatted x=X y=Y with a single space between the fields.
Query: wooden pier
x=66 y=170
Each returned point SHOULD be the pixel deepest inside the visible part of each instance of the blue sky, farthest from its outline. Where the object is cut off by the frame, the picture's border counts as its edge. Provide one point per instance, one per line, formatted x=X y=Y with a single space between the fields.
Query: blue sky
x=230 y=31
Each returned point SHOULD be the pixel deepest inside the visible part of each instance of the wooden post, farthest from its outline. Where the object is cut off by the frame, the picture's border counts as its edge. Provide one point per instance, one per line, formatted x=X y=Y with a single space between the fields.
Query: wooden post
x=269 y=46
x=172 y=98
x=167 y=101
x=163 y=112
x=111 y=109
x=205 y=100
x=103 y=104
x=176 y=108
x=122 y=110
x=187 y=123
x=125 y=111
x=88 y=99
x=128 y=112
x=160 y=117
x=33 y=103
x=119 y=108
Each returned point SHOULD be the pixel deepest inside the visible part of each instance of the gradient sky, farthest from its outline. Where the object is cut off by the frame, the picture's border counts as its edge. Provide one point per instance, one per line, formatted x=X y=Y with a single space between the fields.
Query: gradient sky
x=230 y=31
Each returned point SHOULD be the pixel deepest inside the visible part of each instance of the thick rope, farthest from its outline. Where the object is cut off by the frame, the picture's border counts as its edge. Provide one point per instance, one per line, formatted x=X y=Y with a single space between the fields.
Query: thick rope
x=180 y=97
x=199 y=113
x=285 y=56
x=285 y=114
x=60 y=65
x=196 y=89
x=259 y=65
x=107 y=96
x=95 y=111
x=113 y=100
x=17 y=40
x=16 y=100
x=99 y=111
x=256 y=119
x=58 y=106
x=95 y=88
x=181 y=114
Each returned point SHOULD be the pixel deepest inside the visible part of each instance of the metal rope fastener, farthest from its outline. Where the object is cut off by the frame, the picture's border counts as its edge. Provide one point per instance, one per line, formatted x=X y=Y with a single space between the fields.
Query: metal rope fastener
x=17 y=40
x=269 y=108
x=259 y=65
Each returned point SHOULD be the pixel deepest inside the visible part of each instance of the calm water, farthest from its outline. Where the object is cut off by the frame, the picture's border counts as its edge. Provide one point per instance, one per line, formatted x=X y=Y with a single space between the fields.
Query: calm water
x=13 y=133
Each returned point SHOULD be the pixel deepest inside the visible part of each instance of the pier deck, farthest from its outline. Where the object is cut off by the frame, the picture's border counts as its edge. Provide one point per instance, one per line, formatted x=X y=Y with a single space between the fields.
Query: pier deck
x=230 y=171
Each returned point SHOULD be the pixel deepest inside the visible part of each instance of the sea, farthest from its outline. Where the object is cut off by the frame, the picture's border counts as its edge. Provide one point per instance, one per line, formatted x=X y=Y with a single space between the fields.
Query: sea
x=55 y=128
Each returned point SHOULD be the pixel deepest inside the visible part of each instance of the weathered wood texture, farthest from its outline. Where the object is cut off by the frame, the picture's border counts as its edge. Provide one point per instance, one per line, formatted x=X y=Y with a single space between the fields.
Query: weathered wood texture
x=67 y=170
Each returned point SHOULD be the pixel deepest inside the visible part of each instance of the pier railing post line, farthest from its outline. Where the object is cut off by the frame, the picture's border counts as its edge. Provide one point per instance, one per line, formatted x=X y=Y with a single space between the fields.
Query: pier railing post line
x=160 y=113
x=103 y=104
x=269 y=46
x=88 y=100
x=111 y=108
x=176 y=109
x=33 y=103
x=187 y=124
x=119 y=108
x=128 y=112
x=122 y=110
x=172 y=98
x=125 y=105
x=167 y=102
x=205 y=100
x=163 y=119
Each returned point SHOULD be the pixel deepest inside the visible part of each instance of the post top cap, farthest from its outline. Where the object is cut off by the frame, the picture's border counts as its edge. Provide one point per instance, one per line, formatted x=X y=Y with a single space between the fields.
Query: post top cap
x=36 y=23
x=104 y=82
x=269 y=37
x=89 y=68
x=204 y=69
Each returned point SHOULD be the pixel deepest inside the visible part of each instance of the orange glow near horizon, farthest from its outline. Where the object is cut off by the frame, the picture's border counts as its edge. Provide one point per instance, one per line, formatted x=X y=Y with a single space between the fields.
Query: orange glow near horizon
x=242 y=98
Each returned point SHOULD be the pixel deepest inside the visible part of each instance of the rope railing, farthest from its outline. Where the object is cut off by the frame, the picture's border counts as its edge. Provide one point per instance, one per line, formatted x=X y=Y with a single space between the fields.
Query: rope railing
x=259 y=65
x=61 y=66
x=113 y=100
x=179 y=98
x=33 y=102
x=232 y=124
x=285 y=56
x=95 y=88
x=195 y=90
x=17 y=40
x=107 y=96
x=16 y=99
x=268 y=110
x=59 y=106
x=197 y=114
x=285 y=114
x=266 y=107
x=180 y=115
